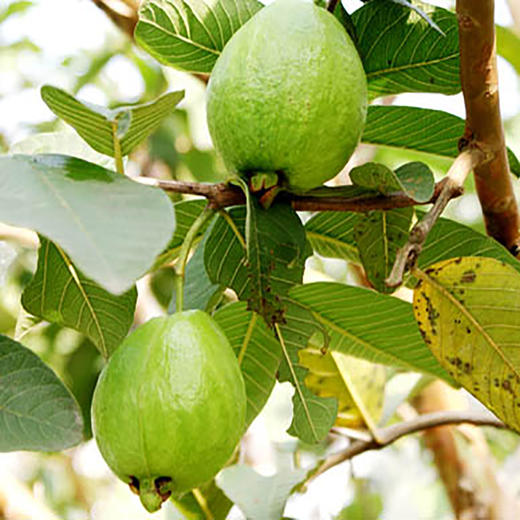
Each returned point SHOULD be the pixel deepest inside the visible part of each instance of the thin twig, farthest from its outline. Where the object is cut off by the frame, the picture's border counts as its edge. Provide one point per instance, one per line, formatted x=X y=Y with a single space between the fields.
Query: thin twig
x=453 y=186
x=331 y=5
x=479 y=79
x=392 y=433
x=222 y=195
x=125 y=22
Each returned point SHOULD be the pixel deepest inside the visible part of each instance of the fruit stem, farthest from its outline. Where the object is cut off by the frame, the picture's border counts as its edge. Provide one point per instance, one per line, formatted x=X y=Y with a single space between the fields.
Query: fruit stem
x=192 y=233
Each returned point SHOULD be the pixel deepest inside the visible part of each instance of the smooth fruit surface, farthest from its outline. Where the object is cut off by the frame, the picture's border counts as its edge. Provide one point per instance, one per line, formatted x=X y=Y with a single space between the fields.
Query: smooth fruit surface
x=169 y=407
x=288 y=95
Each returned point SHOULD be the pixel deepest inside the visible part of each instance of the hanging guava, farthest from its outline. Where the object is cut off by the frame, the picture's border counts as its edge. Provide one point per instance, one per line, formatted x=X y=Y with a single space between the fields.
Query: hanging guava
x=169 y=407
x=288 y=96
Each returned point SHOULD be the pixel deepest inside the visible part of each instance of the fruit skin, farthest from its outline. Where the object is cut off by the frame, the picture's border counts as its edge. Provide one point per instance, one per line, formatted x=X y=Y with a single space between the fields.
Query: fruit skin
x=170 y=404
x=288 y=95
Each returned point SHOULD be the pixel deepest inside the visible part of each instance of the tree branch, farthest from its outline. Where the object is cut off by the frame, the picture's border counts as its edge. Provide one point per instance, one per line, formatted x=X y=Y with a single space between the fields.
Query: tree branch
x=392 y=433
x=454 y=181
x=222 y=195
x=478 y=73
x=124 y=21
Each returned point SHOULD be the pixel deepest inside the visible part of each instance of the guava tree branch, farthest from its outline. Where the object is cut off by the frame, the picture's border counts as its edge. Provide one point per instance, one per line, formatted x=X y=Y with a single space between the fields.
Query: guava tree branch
x=125 y=19
x=479 y=78
x=222 y=195
x=390 y=434
x=453 y=185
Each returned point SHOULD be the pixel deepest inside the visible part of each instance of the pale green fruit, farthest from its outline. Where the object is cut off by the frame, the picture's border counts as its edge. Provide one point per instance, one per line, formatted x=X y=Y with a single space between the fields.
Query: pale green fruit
x=288 y=95
x=169 y=407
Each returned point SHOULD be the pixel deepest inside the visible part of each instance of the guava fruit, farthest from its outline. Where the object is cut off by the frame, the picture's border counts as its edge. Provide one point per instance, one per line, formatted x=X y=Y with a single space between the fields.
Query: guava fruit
x=288 y=95
x=169 y=407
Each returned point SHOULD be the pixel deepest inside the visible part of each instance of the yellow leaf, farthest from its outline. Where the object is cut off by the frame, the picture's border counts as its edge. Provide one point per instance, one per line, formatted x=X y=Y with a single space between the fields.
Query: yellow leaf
x=357 y=384
x=468 y=311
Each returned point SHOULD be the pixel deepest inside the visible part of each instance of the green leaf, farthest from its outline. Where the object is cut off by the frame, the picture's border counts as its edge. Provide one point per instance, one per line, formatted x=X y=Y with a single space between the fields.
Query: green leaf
x=106 y=223
x=313 y=415
x=199 y=291
x=366 y=505
x=81 y=371
x=257 y=351
x=276 y=241
x=449 y=239
x=99 y=126
x=65 y=142
x=259 y=497
x=508 y=43
x=188 y=508
x=419 y=129
x=372 y=326
x=60 y=293
x=37 y=412
x=186 y=212
x=331 y=234
x=379 y=234
x=401 y=52
x=190 y=34
x=225 y=260
x=415 y=179
x=468 y=310
x=12 y=8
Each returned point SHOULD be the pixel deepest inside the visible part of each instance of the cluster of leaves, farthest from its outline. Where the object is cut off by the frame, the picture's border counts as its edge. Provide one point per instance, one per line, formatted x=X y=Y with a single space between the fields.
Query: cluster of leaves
x=100 y=232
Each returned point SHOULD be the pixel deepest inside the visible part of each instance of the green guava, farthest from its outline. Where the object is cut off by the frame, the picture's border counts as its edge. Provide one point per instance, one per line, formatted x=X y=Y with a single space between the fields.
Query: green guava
x=169 y=407
x=288 y=95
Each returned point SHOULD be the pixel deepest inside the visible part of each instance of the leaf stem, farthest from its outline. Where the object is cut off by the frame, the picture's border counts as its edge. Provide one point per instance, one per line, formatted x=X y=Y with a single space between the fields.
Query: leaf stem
x=192 y=233
x=117 y=150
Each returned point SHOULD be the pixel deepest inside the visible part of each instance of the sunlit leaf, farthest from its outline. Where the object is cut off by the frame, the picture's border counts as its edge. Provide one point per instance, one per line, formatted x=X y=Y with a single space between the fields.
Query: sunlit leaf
x=468 y=310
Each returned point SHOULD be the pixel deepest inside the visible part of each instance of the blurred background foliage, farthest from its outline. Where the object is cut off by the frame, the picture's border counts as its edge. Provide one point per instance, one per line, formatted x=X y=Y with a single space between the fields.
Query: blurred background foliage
x=72 y=44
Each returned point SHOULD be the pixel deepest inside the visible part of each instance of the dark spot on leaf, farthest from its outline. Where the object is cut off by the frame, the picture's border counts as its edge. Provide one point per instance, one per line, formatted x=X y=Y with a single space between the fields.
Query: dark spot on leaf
x=468 y=277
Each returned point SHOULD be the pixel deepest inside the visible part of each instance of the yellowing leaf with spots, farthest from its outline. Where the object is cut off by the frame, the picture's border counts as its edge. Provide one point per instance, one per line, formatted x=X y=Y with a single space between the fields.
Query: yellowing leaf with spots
x=468 y=311
x=358 y=385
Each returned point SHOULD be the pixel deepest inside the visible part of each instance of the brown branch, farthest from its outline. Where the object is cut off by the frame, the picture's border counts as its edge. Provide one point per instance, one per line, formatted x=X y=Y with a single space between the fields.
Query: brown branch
x=392 y=433
x=222 y=195
x=331 y=5
x=125 y=22
x=453 y=186
x=478 y=73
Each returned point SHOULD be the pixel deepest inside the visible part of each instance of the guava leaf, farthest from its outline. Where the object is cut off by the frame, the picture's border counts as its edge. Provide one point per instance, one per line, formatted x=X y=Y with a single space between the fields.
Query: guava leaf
x=37 y=412
x=508 y=43
x=468 y=311
x=450 y=239
x=60 y=293
x=379 y=234
x=419 y=129
x=199 y=291
x=188 y=508
x=372 y=326
x=14 y=7
x=257 y=351
x=331 y=234
x=99 y=126
x=427 y=62
x=226 y=264
x=276 y=242
x=66 y=142
x=259 y=497
x=366 y=504
x=415 y=179
x=186 y=212
x=105 y=222
x=313 y=415
x=190 y=34
x=357 y=384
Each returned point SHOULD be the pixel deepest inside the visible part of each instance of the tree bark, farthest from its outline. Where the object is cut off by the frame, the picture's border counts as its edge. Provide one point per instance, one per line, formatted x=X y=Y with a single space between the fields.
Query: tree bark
x=479 y=78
